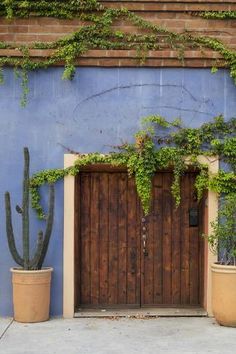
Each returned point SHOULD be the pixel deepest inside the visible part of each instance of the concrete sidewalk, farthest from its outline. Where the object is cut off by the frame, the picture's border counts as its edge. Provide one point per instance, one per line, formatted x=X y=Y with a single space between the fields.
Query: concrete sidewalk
x=4 y=324
x=118 y=336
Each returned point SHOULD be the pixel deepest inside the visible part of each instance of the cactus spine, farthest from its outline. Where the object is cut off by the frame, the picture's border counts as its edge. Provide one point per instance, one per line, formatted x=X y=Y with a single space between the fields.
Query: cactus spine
x=25 y=261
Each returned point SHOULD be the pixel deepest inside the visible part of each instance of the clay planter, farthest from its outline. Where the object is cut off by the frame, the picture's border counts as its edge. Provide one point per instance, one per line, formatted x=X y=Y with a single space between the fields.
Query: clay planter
x=224 y=294
x=31 y=294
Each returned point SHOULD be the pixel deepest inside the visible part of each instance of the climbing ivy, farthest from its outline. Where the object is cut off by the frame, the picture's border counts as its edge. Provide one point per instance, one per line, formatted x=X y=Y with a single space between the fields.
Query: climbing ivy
x=224 y=231
x=217 y=15
x=223 y=182
x=160 y=145
x=43 y=8
x=97 y=33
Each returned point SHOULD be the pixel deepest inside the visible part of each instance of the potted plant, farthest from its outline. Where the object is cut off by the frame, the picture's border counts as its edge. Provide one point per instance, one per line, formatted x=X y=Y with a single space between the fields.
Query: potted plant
x=31 y=283
x=223 y=240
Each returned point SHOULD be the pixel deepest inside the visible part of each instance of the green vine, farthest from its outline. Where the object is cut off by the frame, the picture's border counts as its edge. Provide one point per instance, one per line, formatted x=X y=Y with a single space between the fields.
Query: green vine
x=224 y=231
x=178 y=148
x=217 y=15
x=98 y=33
x=223 y=182
x=43 y=8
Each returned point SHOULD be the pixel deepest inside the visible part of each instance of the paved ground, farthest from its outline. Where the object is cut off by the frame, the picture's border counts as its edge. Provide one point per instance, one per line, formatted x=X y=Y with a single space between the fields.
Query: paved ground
x=143 y=312
x=4 y=323
x=118 y=336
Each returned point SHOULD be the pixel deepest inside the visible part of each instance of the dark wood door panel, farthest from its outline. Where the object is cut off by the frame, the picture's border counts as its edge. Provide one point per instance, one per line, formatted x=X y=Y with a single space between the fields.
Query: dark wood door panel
x=109 y=243
x=171 y=270
x=111 y=268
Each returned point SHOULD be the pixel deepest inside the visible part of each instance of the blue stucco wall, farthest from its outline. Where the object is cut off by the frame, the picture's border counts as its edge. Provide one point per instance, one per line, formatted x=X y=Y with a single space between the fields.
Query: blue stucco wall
x=97 y=109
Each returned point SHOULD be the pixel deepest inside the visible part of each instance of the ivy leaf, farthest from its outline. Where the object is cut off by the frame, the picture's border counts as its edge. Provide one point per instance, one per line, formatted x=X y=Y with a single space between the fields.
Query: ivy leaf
x=214 y=70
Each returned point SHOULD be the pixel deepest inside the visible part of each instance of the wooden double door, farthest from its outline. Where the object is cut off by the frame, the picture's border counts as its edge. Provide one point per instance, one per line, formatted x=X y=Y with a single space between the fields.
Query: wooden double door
x=124 y=259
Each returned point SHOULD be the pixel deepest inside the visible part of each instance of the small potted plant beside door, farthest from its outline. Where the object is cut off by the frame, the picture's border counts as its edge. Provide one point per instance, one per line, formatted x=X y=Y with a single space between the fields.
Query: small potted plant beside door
x=223 y=238
x=31 y=282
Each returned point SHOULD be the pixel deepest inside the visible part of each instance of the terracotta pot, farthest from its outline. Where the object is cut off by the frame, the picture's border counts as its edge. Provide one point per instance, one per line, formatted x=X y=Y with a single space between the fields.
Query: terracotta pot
x=224 y=294
x=31 y=294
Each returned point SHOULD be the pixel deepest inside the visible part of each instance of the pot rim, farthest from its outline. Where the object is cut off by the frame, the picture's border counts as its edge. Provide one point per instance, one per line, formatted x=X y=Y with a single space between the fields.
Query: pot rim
x=222 y=268
x=39 y=271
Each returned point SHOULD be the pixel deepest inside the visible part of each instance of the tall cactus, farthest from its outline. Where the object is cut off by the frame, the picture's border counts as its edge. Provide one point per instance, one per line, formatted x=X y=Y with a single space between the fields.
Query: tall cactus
x=25 y=261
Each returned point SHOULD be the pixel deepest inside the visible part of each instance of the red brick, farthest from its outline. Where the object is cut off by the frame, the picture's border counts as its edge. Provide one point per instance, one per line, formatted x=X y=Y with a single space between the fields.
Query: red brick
x=4 y=21
x=25 y=21
x=175 y=19
x=7 y=37
x=48 y=37
x=88 y=62
x=51 y=29
x=24 y=38
x=3 y=29
x=17 y=29
x=149 y=16
x=173 y=6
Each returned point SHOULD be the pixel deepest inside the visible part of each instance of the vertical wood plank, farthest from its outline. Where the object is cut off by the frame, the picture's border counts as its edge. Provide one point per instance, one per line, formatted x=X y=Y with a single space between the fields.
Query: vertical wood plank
x=167 y=239
x=122 y=238
x=185 y=191
x=104 y=237
x=85 y=285
x=176 y=254
x=148 y=284
x=193 y=249
x=113 y=240
x=158 y=238
x=94 y=238
x=132 y=253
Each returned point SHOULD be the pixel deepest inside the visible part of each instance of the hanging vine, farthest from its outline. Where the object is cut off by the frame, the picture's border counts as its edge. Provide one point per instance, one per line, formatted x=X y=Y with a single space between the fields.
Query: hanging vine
x=154 y=151
x=217 y=15
x=98 y=33
x=43 y=8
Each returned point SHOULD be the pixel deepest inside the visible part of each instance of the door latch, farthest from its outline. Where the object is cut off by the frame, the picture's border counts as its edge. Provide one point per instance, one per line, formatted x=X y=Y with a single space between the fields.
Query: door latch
x=144 y=237
x=193 y=217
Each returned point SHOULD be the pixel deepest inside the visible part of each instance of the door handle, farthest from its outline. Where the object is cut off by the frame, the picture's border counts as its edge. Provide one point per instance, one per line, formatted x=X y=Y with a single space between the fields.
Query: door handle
x=144 y=237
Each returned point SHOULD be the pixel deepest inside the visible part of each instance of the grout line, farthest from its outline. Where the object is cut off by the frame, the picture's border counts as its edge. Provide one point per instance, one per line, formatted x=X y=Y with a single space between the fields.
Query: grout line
x=6 y=329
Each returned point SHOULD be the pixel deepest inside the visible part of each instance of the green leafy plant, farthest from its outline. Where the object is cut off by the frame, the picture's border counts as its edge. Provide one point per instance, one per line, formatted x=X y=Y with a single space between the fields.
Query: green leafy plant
x=44 y=8
x=98 y=33
x=217 y=15
x=223 y=235
x=160 y=145
x=223 y=182
x=25 y=261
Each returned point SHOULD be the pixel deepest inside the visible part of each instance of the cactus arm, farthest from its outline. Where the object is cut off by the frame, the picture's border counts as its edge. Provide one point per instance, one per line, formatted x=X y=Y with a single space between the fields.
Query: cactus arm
x=25 y=211
x=43 y=240
x=10 y=236
x=33 y=263
x=48 y=230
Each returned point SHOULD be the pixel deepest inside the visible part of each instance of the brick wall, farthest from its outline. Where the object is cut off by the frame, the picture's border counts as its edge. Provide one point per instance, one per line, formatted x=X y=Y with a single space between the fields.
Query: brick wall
x=175 y=15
